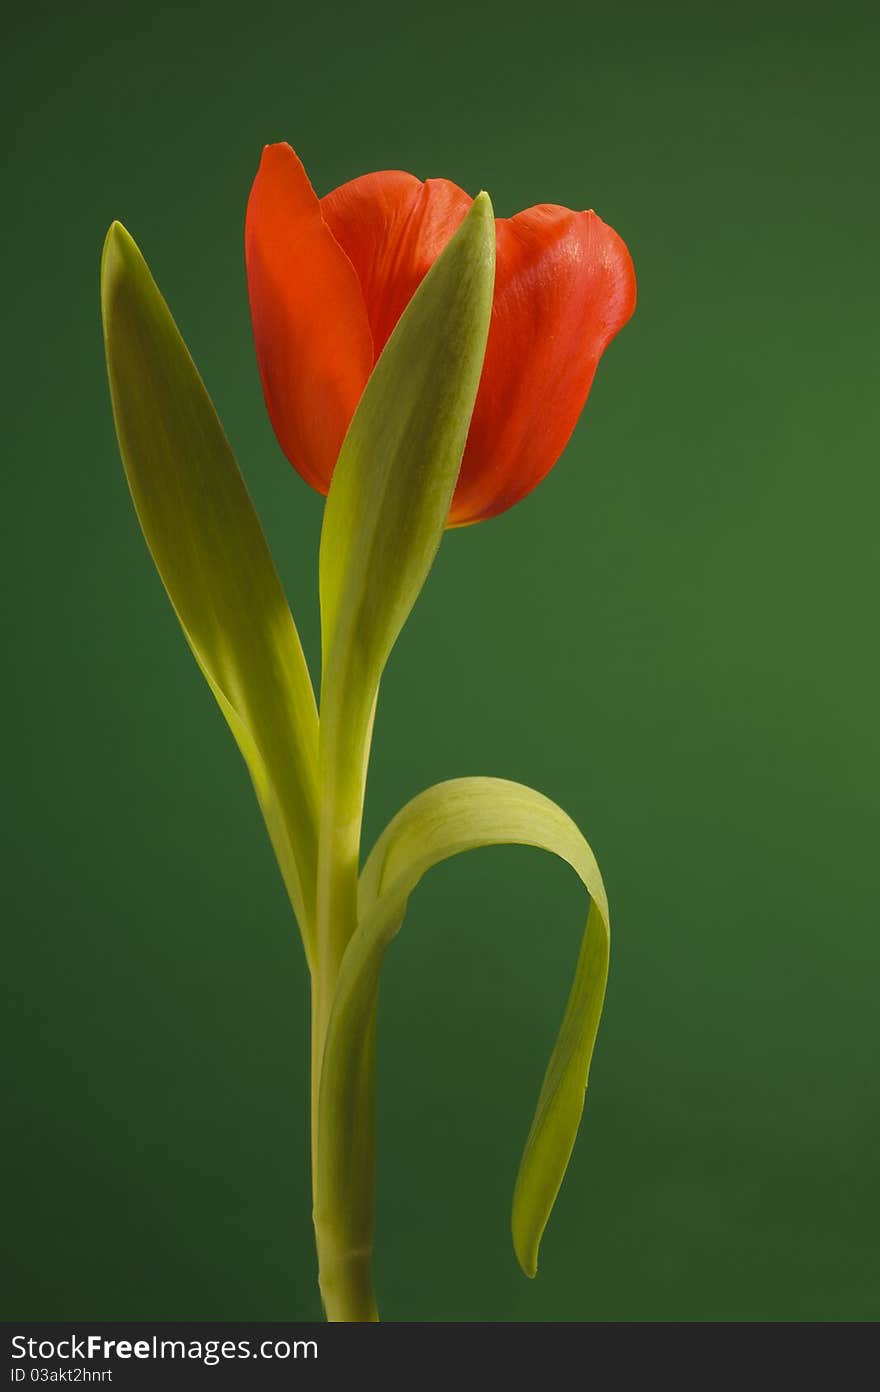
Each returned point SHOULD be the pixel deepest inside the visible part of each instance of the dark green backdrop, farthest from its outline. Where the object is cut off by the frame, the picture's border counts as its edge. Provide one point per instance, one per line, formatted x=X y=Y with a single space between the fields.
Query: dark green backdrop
x=675 y=637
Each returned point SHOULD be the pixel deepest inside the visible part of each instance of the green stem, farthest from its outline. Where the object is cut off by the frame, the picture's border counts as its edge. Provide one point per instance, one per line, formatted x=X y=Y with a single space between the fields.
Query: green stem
x=346 y=1283
x=344 y=1251
x=344 y=1271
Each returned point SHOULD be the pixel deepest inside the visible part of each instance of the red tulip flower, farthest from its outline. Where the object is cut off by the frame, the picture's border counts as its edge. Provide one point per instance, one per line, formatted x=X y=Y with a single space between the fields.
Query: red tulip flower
x=427 y=410
x=329 y=278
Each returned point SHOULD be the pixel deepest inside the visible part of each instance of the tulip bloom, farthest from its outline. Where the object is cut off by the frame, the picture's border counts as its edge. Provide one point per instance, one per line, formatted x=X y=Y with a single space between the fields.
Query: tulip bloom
x=329 y=278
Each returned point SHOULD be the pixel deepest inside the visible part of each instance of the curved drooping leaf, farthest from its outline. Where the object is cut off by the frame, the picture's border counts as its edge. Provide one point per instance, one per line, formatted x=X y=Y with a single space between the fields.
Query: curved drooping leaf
x=208 y=546
x=460 y=815
x=385 y=515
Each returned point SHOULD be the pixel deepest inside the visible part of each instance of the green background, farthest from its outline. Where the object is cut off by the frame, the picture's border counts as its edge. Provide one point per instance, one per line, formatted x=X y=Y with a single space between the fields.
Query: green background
x=674 y=637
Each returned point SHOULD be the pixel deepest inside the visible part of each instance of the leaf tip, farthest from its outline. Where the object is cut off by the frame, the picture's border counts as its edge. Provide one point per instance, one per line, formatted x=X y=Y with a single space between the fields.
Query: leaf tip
x=115 y=253
x=527 y=1235
x=482 y=206
x=115 y=243
x=482 y=218
x=525 y=1246
x=121 y=256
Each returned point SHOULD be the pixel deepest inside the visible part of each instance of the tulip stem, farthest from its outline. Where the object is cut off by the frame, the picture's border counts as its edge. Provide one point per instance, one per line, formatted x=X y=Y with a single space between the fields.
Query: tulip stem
x=343 y=1240
x=343 y=1272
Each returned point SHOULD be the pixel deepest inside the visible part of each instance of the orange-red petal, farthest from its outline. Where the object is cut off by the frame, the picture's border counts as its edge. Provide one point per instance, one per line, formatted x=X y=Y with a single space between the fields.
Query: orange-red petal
x=311 y=330
x=393 y=227
x=564 y=285
x=329 y=279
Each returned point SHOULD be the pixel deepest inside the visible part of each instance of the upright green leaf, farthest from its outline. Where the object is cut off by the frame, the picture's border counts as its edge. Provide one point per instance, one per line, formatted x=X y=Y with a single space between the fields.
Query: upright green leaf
x=209 y=549
x=460 y=815
x=384 y=519
x=397 y=470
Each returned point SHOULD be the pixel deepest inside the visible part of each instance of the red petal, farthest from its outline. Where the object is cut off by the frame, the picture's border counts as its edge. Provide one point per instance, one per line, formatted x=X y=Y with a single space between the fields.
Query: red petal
x=564 y=285
x=392 y=228
x=311 y=331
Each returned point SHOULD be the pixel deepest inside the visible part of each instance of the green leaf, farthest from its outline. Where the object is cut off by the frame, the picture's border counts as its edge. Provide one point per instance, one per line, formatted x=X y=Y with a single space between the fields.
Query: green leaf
x=398 y=466
x=460 y=815
x=385 y=516
x=209 y=549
